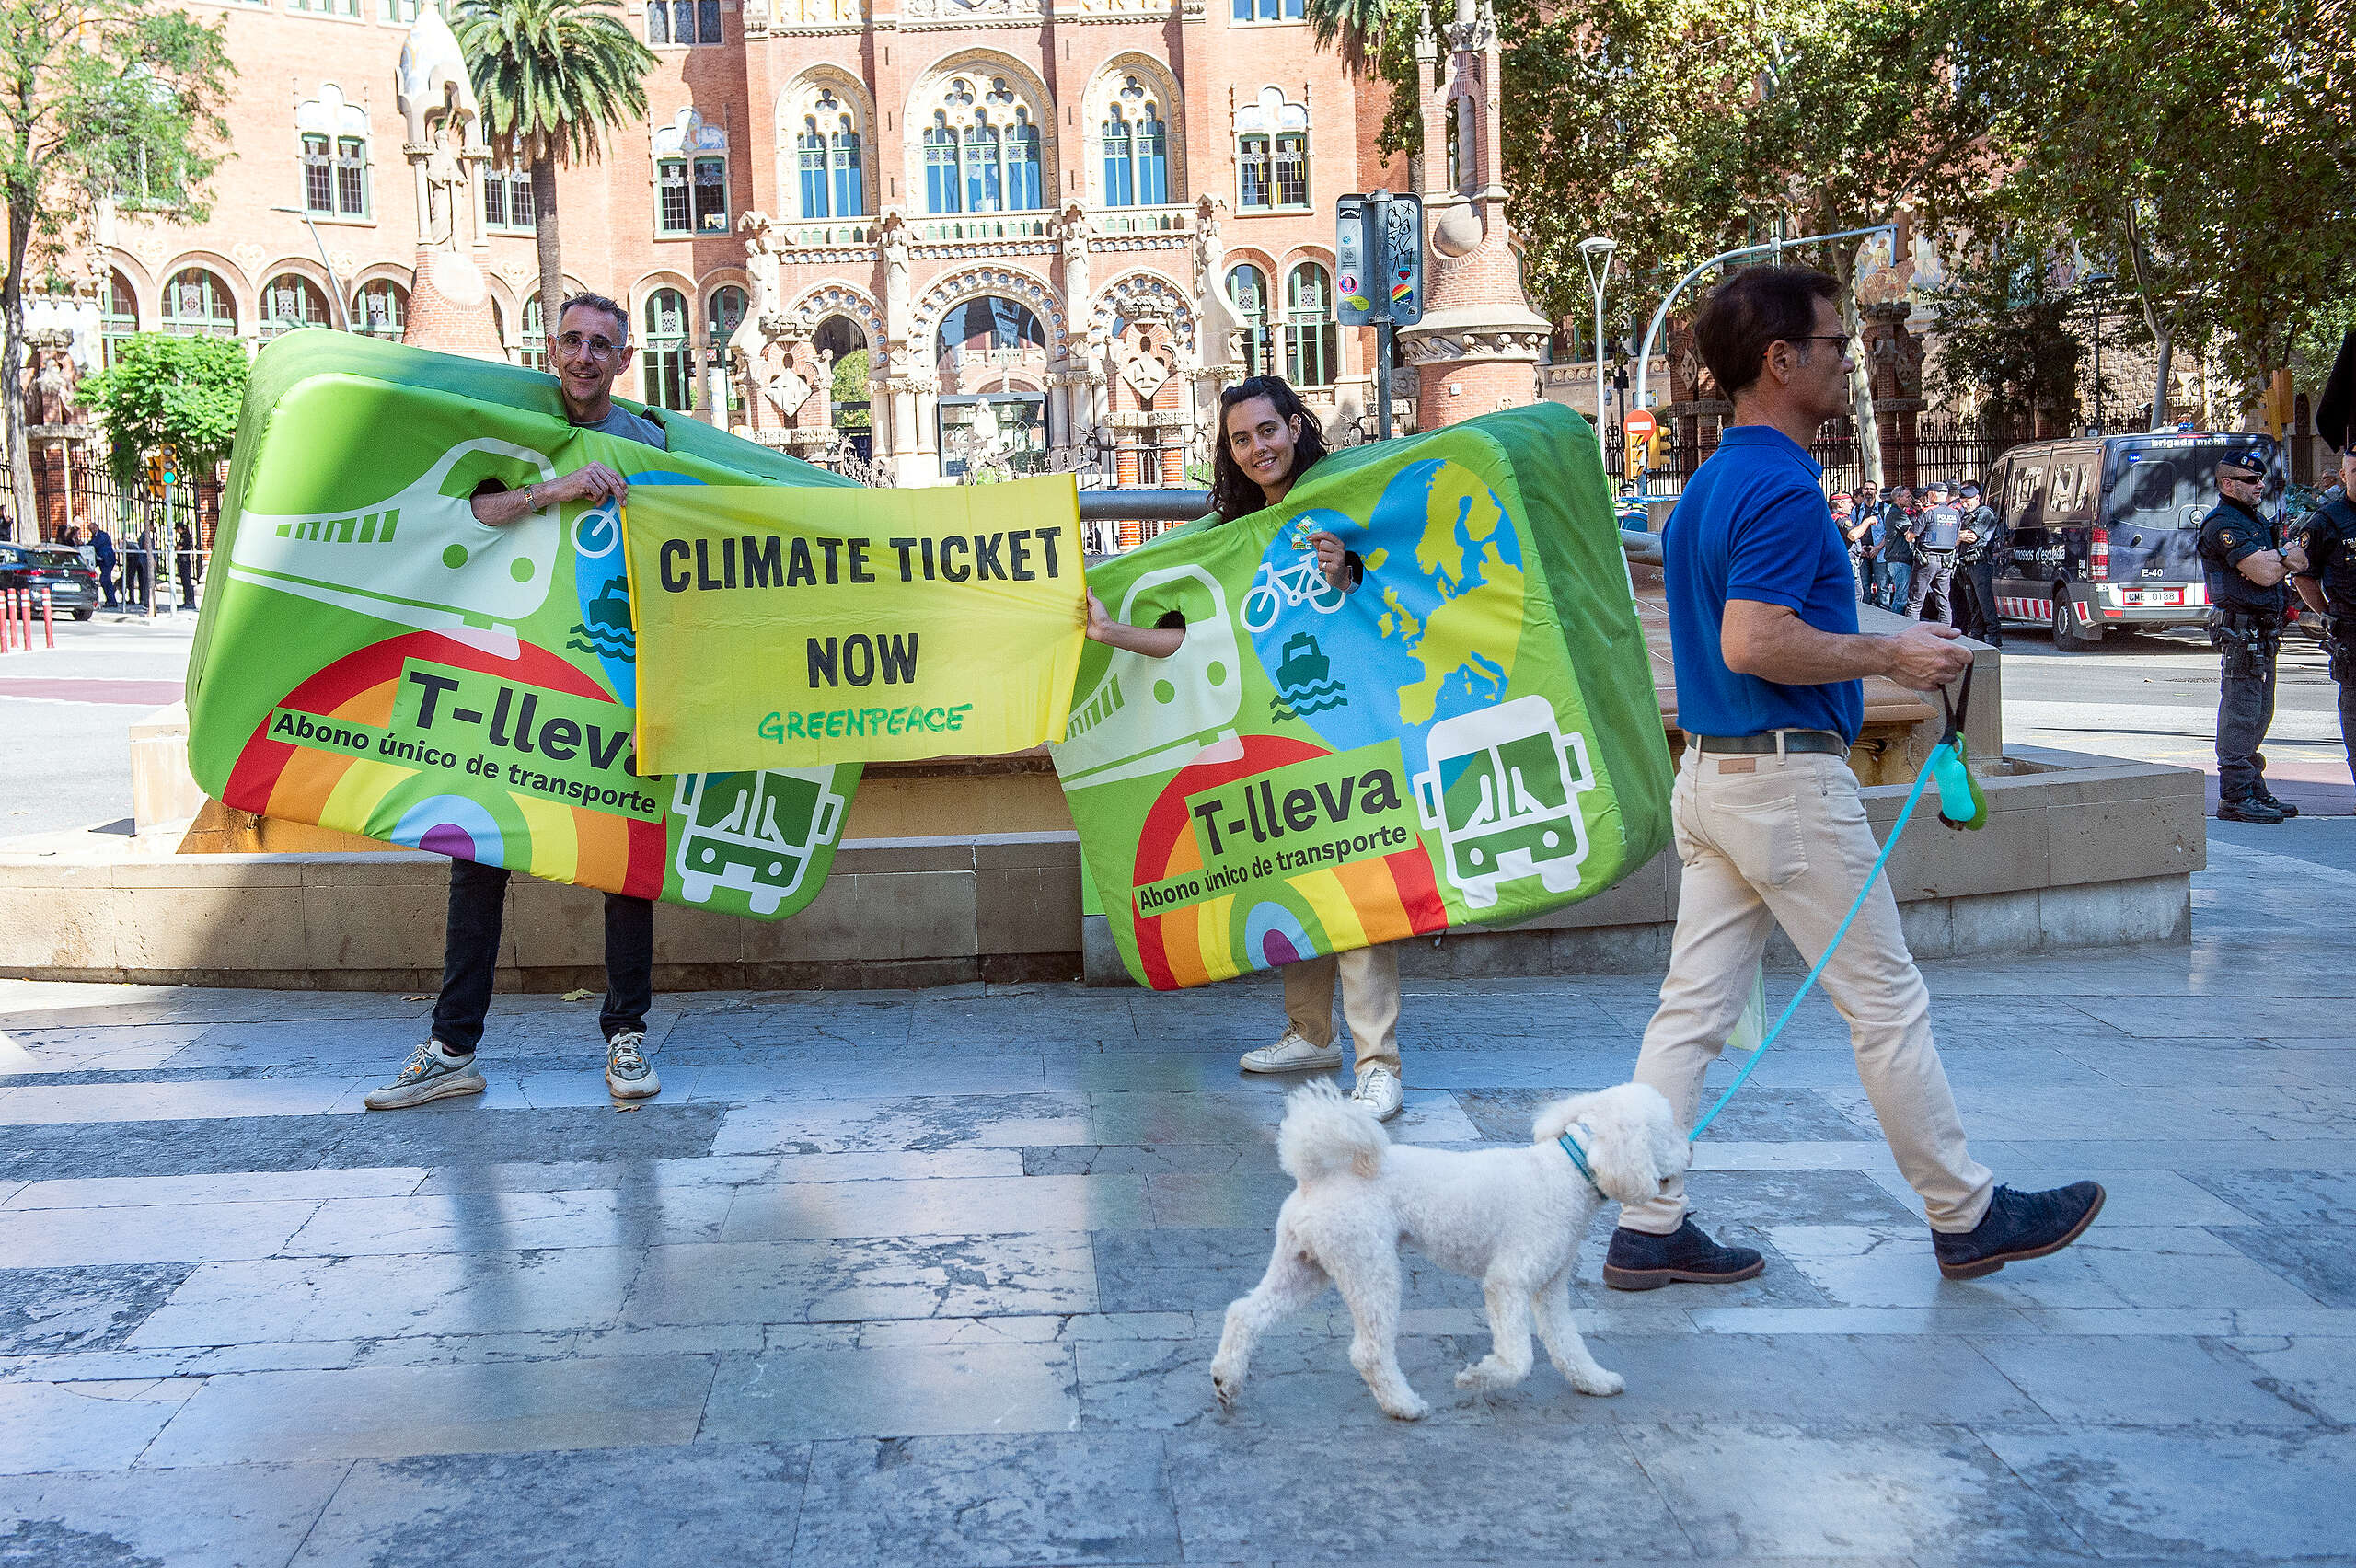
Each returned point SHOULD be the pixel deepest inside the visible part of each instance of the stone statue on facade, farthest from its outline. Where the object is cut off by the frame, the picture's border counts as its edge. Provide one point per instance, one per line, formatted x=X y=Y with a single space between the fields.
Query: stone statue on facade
x=893 y=237
x=55 y=382
x=1073 y=226
x=436 y=98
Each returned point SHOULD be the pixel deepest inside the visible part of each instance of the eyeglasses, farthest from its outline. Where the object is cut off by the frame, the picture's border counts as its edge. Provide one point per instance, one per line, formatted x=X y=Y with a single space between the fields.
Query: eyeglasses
x=1818 y=338
x=598 y=347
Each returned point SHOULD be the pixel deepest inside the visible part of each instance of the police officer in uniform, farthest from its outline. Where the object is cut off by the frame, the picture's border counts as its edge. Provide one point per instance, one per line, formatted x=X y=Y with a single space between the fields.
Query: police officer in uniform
x=2246 y=565
x=2328 y=586
x=1983 y=548
x=1938 y=533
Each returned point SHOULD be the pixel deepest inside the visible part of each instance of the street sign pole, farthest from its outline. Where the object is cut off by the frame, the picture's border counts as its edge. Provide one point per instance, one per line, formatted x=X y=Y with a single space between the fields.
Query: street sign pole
x=1378 y=243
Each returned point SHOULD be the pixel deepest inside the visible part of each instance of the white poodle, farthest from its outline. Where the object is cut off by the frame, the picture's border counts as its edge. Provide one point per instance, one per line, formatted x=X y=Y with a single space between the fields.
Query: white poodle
x=1511 y=1219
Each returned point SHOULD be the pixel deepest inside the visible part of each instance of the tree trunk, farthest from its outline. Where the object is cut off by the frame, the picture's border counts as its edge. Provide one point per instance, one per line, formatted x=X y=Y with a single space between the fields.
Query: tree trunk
x=552 y=289
x=12 y=373
x=2163 y=334
x=1861 y=379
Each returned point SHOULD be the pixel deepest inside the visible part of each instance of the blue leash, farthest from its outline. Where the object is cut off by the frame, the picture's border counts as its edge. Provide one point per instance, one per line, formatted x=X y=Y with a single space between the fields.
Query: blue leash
x=1913 y=799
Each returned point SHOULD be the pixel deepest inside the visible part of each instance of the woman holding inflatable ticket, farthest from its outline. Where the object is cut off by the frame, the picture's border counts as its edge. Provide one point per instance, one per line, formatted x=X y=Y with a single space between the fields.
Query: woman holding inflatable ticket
x=1267 y=440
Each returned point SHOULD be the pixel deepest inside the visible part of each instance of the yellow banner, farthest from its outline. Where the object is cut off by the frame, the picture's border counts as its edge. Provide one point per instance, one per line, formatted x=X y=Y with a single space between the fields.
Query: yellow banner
x=783 y=629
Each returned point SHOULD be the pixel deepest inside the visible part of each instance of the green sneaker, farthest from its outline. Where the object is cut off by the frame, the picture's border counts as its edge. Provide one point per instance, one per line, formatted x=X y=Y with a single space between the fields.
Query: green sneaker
x=628 y=1072
x=432 y=1072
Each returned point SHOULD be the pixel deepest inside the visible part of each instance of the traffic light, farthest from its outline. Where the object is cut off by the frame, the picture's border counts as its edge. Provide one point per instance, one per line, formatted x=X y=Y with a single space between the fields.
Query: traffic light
x=1661 y=446
x=2281 y=407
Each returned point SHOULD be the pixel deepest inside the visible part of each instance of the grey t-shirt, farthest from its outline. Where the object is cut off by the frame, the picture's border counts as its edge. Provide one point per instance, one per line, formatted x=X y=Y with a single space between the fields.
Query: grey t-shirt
x=620 y=421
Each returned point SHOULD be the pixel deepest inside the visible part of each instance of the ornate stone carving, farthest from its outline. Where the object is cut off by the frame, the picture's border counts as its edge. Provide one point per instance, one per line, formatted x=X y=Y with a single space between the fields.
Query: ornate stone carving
x=786 y=391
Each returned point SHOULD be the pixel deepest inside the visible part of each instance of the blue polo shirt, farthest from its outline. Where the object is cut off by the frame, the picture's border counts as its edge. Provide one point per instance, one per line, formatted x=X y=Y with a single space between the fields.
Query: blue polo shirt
x=1753 y=523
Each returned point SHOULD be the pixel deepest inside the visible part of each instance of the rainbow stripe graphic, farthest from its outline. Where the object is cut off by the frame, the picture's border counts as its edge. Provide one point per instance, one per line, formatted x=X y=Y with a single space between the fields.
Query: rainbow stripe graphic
x=1329 y=909
x=403 y=804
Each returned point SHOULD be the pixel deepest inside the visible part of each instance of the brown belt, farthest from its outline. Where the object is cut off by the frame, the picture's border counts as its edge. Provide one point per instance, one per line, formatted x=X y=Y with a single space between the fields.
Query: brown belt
x=1758 y=745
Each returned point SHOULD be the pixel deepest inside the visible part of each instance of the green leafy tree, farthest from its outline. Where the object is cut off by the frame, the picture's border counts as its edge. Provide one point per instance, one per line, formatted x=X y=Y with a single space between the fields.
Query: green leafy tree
x=99 y=101
x=2198 y=151
x=2006 y=337
x=168 y=391
x=551 y=77
x=851 y=387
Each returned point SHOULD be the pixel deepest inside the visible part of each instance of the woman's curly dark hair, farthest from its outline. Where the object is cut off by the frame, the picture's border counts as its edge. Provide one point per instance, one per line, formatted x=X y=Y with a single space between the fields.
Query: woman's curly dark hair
x=1234 y=493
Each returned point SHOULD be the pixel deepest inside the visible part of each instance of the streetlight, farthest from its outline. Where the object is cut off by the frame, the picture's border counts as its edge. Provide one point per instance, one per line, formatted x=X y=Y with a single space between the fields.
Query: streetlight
x=2096 y=283
x=335 y=287
x=1595 y=251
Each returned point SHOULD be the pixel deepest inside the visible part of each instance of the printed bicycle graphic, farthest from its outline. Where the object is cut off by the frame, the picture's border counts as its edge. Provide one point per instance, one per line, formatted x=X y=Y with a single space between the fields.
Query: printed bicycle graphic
x=1277 y=592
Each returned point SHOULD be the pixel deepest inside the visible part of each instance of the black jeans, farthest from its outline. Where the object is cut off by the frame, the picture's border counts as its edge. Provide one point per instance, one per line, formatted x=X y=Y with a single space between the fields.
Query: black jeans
x=2244 y=712
x=470 y=954
x=1980 y=616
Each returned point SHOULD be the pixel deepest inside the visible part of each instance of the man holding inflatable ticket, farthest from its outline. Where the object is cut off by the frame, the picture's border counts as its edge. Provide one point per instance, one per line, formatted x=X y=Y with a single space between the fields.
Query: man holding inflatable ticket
x=1267 y=440
x=592 y=348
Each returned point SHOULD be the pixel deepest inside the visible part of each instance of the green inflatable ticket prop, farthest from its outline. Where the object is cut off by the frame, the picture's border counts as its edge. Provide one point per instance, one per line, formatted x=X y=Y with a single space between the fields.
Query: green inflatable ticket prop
x=1469 y=736
x=372 y=658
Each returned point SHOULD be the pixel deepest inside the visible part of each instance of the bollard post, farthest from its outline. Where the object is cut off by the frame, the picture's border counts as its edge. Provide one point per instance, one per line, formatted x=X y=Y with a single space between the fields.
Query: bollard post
x=48 y=621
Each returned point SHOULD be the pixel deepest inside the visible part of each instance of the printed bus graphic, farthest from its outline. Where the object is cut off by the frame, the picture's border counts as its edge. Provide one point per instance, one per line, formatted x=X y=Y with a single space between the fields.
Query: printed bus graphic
x=753 y=833
x=1502 y=790
x=1152 y=716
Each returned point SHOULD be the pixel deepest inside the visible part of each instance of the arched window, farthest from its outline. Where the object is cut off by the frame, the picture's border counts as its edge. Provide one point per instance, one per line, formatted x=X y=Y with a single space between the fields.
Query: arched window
x=1153 y=160
x=1308 y=327
x=669 y=360
x=1120 y=166
x=291 y=300
x=690 y=177
x=118 y=315
x=1272 y=153
x=382 y=310
x=943 y=193
x=531 y=343
x=333 y=154
x=507 y=200
x=982 y=152
x=196 y=304
x=985 y=176
x=826 y=154
x=817 y=200
x=1137 y=150
x=850 y=175
x=724 y=312
x=1023 y=190
x=1247 y=290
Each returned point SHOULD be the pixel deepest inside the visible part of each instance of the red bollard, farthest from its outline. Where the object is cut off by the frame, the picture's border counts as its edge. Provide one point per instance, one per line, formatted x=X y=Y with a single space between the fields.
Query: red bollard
x=48 y=621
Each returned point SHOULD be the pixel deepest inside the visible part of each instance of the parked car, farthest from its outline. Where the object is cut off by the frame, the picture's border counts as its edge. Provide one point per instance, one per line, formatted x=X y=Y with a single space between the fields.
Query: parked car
x=73 y=585
x=2105 y=530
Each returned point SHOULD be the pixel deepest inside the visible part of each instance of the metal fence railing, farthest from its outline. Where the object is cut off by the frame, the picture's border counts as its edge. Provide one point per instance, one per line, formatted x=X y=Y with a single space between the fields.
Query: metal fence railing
x=162 y=532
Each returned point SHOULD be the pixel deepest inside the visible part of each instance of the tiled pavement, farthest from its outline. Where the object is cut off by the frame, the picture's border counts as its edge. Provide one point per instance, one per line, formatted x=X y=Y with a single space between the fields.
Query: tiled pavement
x=935 y=1278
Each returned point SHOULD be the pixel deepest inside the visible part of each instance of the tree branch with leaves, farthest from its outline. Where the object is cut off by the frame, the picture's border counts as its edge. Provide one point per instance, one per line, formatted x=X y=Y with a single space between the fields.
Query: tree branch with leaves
x=100 y=100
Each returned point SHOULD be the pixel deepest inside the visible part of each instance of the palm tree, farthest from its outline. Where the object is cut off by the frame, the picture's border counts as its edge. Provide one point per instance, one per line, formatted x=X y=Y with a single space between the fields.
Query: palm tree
x=551 y=74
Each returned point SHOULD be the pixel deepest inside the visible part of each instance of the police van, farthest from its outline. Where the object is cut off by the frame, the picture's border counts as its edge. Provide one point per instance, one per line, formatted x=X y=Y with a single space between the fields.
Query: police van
x=2106 y=529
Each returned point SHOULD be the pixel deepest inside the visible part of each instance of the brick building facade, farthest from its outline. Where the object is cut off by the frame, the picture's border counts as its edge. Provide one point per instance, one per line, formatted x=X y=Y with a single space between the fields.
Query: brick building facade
x=1050 y=223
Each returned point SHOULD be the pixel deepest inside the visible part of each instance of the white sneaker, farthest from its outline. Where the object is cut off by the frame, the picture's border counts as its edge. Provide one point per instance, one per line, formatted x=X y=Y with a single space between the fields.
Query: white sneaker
x=1379 y=1092
x=1291 y=1055
x=628 y=1072
x=429 y=1073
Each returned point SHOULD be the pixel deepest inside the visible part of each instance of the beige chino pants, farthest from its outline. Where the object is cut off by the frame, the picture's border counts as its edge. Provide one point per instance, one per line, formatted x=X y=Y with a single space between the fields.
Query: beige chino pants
x=1783 y=840
x=1370 y=980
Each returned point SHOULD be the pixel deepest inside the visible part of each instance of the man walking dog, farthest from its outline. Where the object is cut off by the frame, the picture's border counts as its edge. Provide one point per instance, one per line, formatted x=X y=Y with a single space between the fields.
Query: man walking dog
x=1770 y=829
